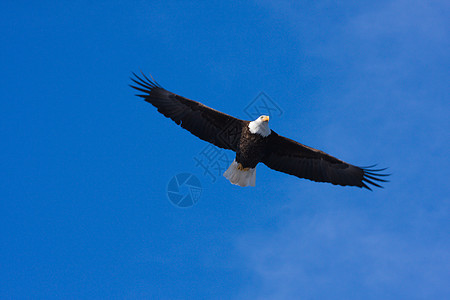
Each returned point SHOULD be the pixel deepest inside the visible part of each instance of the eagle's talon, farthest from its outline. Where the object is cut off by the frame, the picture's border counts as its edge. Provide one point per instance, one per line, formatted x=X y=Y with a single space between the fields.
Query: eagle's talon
x=240 y=167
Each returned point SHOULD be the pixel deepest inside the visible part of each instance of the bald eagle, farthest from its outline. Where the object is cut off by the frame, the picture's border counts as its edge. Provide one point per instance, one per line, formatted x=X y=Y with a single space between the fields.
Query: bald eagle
x=254 y=142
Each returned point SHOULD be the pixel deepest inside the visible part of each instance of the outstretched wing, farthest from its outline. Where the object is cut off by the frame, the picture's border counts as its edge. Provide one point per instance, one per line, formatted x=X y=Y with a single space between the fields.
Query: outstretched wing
x=293 y=158
x=202 y=121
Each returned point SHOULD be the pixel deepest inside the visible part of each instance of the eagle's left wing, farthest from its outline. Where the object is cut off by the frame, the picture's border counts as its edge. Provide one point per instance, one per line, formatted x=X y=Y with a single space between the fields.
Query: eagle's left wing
x=293 y=158
x=202 y=121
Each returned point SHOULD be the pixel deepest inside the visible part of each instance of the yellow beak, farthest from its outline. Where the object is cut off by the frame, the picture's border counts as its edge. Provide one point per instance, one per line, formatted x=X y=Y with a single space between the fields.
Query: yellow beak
x=265 y=118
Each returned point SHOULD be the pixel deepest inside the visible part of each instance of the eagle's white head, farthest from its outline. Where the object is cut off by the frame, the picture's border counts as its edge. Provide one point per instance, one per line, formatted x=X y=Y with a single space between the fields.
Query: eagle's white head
x=260 y=126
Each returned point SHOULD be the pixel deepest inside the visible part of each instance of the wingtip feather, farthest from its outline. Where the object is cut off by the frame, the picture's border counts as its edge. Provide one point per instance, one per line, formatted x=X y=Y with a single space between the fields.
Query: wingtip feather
x=372 y=176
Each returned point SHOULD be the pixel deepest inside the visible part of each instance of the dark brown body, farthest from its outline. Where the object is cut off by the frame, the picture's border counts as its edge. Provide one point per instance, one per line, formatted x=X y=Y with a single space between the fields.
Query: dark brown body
x=251 y=149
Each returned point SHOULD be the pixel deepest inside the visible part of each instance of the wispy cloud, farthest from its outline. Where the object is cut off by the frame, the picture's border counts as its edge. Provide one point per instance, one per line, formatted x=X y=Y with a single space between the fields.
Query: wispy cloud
x=345 y=254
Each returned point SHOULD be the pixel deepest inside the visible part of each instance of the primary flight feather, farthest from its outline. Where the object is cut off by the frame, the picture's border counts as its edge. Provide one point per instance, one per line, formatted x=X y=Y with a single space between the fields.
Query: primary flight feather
x=254 y=142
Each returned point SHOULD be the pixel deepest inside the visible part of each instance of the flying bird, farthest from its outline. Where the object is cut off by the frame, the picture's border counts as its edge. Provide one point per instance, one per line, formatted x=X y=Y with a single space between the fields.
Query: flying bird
x=254 y=142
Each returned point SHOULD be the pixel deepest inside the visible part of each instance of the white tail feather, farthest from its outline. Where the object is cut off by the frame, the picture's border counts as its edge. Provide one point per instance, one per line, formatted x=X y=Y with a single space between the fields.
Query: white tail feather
x=240 y=177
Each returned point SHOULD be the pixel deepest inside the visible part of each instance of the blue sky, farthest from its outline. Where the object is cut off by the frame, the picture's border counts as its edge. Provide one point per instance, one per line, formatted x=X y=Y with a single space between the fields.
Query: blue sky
x=86 y=164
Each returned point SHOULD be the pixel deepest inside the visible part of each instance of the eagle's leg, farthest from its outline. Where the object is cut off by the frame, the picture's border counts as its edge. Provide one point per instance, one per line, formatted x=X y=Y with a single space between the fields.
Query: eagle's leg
x=241 y=167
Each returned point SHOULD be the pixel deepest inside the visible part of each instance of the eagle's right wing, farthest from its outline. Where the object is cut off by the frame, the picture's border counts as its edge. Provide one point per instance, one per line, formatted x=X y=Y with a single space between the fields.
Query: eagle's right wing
x=202 y=121
x=288 y=156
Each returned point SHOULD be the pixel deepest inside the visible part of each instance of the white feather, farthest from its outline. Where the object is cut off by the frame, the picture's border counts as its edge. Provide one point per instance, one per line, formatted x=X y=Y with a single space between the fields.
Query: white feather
x=259 y=127
x=240 y=177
